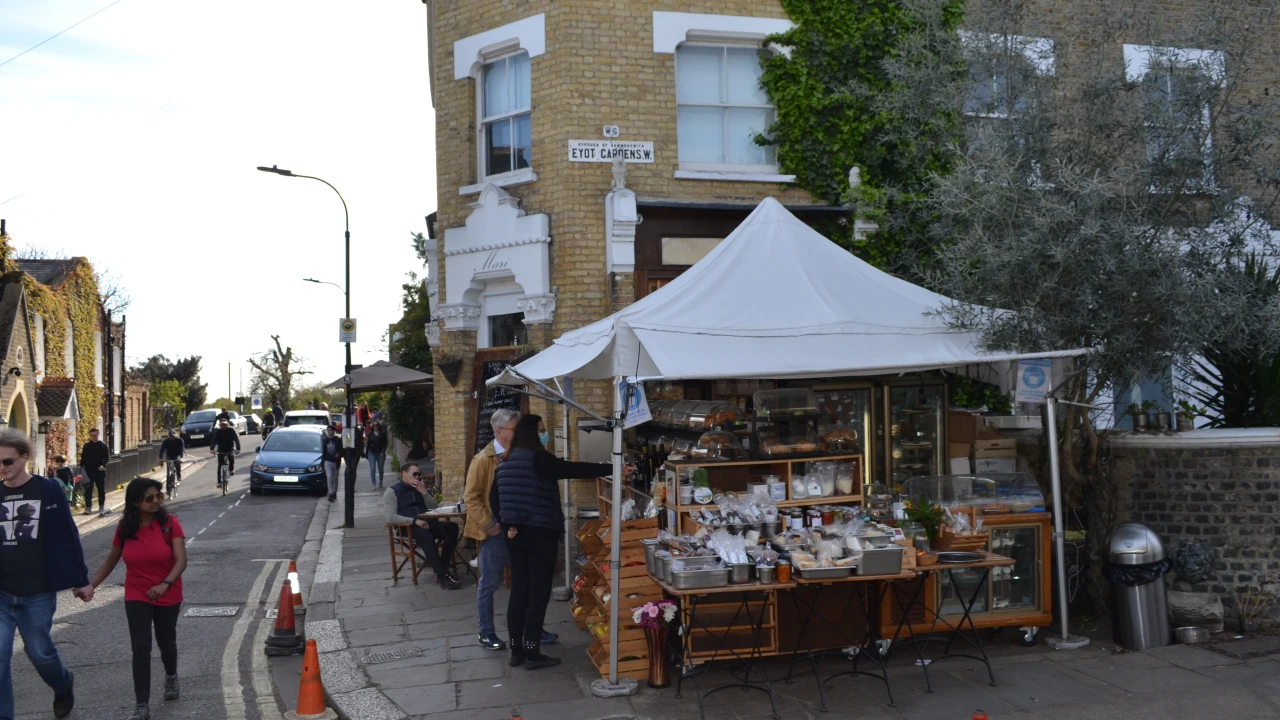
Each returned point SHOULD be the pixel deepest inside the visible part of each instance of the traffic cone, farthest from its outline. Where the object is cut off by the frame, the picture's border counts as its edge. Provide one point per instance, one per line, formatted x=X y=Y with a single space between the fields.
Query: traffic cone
x=284 y=639
x=310 y=691
x=298 y=607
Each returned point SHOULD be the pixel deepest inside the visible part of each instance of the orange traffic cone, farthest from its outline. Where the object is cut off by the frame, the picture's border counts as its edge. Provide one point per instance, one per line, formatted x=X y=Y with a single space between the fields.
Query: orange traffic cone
x=298 y=607
x=310 y=691
x=284 y=639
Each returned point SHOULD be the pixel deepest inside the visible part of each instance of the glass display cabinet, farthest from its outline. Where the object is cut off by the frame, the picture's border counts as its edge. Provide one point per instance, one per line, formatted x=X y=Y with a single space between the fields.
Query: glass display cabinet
x=915 y=442
x=845 y=425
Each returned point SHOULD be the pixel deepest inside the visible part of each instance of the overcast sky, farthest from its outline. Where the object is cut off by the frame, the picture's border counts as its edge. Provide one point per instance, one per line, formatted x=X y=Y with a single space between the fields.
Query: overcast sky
x=132 y=140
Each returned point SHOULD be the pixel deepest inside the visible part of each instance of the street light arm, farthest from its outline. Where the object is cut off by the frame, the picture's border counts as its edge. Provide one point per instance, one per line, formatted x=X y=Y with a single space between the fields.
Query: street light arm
x=346 y=219
x=321 y=282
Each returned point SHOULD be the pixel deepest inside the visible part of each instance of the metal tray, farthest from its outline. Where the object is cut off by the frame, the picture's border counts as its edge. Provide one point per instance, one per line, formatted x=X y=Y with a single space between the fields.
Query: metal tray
x=698 y=579
x=960 y=557
x=788 y=548
x=826 y=573
x=885 y=561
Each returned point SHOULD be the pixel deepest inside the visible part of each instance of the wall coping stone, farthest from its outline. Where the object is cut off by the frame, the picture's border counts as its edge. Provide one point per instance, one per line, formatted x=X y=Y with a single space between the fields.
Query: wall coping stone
x=1204 y=437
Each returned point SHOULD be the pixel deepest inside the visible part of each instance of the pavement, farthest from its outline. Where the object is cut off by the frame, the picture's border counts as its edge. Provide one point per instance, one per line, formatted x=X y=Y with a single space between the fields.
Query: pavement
x=238 y=550
x=395 y=651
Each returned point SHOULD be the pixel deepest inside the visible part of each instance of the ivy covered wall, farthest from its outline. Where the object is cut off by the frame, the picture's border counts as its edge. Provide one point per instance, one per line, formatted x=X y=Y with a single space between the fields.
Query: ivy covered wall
x=75 y=298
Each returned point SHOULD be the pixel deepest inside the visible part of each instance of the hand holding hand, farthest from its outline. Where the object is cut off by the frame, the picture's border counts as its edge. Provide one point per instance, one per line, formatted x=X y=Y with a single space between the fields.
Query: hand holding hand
x=155 y=592
x=84 y=593
x=493 y=530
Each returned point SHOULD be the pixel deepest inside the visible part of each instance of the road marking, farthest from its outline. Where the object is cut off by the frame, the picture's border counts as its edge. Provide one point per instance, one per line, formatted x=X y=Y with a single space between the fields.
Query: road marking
x=202 y=531
x=264 y=692
x=233 y=504
x=211 y=522
x=224 y=512
x=232 y=690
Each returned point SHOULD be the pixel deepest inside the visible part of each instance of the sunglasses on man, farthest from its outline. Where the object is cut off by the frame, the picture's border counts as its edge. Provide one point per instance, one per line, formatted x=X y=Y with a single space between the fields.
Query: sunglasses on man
x=8 y=461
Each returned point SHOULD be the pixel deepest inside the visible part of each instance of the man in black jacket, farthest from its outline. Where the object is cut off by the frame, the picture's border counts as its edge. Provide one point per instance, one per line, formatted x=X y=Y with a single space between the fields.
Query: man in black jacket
x=225 y=443
x=93 y=458
x=173 y=449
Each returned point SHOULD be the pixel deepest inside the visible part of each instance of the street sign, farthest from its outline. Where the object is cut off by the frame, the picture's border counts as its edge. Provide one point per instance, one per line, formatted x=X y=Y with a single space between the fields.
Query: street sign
x=256 y=402
x=347 y=330
x=1033 y=380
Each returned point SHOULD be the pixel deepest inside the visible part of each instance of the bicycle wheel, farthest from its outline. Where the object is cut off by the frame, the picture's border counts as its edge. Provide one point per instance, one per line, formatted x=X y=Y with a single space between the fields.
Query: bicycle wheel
x=222 y=477
x=168 y=483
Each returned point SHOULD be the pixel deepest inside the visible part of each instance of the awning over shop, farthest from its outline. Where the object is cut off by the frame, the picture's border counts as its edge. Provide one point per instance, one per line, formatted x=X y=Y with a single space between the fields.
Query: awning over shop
x=384 y=375
x=777 y=300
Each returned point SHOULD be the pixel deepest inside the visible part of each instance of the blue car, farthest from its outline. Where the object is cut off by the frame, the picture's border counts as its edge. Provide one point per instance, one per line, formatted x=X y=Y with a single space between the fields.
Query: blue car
x=290 y=460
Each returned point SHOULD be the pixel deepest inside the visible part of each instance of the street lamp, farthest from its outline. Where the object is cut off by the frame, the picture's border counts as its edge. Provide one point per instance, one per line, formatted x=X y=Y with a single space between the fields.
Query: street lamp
x=321 y=282
x=349 y=485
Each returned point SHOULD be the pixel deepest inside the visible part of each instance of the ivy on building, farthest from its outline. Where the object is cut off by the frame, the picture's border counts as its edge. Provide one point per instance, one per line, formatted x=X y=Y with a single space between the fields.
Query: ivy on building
x=824 y=86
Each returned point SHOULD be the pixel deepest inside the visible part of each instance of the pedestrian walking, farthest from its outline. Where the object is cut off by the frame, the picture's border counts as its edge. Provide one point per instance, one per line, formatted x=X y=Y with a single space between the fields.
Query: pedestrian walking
x=331 y=454
x=278 y=412
x=67 y=479
x=404 y=502
x=526 y=500
x=363 y=416
x=376 y=447
x=94 y=457
x=150 y=541
x=40 y=557
x=483 y=527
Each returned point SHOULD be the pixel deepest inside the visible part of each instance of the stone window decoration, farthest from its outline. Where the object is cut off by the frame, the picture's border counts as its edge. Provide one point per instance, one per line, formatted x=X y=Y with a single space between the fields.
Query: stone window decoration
x=1177 y=87
x=506 y=120
x=720 y=108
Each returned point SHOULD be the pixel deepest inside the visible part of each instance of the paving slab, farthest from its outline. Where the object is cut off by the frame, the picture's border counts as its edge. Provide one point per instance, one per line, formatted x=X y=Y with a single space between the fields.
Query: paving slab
x=377 y=635
x=1031 y=686
x=547 y=685
x=1261 y=678
x=367 y=704
x=1191 y=658
x=483 y=669
x=474 y=652
x=407 y=676
x=340 y=672
x=1252 y=647
x=425 y=700
x=1143 y=680
x=952 y=697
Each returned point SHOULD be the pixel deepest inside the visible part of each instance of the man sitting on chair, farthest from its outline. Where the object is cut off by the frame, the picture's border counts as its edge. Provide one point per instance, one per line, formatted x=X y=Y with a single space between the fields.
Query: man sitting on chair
x=403 y=503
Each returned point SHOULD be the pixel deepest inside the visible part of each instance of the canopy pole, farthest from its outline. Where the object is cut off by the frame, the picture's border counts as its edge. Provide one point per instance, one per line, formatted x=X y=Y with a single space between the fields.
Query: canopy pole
x=570 y=528
x=615 y=534
x=1066 y=642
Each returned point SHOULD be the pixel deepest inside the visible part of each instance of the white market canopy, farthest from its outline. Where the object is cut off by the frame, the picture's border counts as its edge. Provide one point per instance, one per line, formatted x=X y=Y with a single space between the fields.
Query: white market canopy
x=776 y=300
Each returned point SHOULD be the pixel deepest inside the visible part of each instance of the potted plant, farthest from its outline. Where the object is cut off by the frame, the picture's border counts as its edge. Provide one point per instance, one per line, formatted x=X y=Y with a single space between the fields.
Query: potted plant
x=1187 y=412
x=1140 y=419
x=1163 y=420
x=927 y=514
x=656 y=619
x=1250 y=603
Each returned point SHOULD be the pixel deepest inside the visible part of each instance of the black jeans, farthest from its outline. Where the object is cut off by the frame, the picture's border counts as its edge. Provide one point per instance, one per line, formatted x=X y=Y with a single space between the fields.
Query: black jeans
x=425 y=539
x=532 y=554
x=92 y=479
x=142 y=615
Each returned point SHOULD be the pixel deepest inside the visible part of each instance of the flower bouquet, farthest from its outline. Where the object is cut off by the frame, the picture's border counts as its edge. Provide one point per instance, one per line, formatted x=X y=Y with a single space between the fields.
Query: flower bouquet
x=656 y=619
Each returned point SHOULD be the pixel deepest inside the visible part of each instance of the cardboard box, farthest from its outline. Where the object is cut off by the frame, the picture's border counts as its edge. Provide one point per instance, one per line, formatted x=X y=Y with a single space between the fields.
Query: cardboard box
x=967 y=427
x=958 y=455
x=996 y=465
x=1002 y=448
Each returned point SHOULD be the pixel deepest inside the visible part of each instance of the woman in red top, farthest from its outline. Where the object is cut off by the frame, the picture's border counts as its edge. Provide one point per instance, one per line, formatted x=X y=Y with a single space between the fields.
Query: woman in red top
x=151 y=542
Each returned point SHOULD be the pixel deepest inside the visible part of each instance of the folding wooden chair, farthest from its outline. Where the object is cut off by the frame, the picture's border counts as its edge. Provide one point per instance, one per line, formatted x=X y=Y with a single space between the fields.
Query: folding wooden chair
x=403 y=552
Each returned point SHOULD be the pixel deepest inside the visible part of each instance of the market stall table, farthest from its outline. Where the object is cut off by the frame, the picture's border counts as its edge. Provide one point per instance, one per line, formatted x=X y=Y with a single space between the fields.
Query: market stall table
x=867 y=645
x=752 y=664
x=990 y=560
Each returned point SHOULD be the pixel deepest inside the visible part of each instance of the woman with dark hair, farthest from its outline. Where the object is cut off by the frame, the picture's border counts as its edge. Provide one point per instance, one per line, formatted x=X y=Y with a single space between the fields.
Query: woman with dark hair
x=150 y=541
x=526 y=501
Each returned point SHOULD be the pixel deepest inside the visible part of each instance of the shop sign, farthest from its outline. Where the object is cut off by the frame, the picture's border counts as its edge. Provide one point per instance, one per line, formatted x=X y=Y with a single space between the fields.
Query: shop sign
x=634 y=405
x=606 y=151
x=1033 y=380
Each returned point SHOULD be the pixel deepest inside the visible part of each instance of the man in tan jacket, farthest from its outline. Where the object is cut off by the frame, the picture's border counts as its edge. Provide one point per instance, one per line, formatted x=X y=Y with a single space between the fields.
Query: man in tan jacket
x=483 y=527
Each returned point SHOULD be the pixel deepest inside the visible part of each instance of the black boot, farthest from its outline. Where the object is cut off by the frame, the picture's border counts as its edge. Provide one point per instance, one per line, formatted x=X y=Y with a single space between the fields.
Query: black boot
x=535 y=660
x=517 y=652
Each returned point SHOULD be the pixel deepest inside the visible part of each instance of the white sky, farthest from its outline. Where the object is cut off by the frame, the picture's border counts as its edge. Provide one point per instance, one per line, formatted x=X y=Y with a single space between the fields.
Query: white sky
x=133 y=138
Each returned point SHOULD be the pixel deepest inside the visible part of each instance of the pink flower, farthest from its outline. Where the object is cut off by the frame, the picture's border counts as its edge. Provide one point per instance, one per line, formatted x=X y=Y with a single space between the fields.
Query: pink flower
x=653 y=610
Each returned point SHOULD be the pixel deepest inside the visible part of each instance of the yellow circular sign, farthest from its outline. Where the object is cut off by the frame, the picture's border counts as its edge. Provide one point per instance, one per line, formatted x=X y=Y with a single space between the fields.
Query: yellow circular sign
x=348 y=325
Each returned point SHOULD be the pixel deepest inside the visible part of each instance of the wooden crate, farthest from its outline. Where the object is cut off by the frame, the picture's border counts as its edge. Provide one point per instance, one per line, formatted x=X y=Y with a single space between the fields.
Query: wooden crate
x=948 y=540
x=637 y=669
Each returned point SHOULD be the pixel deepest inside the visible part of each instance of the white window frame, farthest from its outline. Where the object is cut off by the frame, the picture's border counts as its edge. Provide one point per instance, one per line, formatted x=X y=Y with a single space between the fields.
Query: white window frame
x=97 y=357
x=1038 y=51
x=520 y=175
x=499 y=298
x=1138 y=60
x=738 y=169
x=470 y=54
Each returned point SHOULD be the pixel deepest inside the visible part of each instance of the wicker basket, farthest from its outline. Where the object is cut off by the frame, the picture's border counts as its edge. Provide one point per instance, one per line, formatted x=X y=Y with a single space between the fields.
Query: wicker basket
x=948 y=540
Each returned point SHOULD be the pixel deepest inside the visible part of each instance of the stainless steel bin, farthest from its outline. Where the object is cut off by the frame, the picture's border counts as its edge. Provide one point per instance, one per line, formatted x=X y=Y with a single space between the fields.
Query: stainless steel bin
x=1136 y=566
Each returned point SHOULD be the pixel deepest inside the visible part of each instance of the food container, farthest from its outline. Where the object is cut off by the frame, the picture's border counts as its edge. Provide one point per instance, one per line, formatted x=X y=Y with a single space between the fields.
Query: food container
x=828 y=517
x=826 y=573
x=777 y=488
x=797 y=520
x=881 y=561
x=840 y=439
x=785 y=403
x=845 y=478
x=717 y=445
x=826 y=472
x=737 y=528
x=700 y=578
x=686 y=494
x=1192 y=635
x=758 y=488
x=650 y=547
x=661 y=566
x=783 y=572
x=740 y=573
x=765 y=574
x=771 y=528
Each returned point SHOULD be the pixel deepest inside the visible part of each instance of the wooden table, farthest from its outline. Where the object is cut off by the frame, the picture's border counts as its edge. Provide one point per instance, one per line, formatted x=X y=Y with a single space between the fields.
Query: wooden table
x=752 y=664
x=990 y=560
x=868 y=646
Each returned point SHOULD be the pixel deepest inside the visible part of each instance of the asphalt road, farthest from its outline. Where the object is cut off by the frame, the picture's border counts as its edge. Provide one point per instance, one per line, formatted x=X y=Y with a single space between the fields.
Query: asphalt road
x=236 y=545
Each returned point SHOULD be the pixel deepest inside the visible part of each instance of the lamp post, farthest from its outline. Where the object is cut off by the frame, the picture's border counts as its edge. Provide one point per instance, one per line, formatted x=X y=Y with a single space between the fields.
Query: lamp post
x=349 y=485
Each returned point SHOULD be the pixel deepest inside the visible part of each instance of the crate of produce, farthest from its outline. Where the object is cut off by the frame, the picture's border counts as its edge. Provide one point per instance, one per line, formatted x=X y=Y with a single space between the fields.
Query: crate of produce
x=948 y=540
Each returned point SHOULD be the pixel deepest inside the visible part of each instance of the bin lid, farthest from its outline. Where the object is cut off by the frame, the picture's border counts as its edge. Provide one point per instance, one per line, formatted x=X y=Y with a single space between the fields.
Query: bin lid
x=1134 y=544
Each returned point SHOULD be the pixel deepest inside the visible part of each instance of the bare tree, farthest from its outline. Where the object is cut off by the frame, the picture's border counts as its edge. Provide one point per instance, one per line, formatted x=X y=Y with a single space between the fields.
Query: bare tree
x=274 y=372
x=35 y=252
x=115 y=298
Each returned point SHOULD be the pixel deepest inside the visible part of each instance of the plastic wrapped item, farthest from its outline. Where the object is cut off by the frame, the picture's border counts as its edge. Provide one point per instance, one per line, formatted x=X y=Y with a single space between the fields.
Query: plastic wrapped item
x=827 y=472
x=813 y=485
x=844 y=478
x=717 y=445
x=629 y=510
x=799 y=488
x=840 y=439
x=785 y=440
x=785 y=403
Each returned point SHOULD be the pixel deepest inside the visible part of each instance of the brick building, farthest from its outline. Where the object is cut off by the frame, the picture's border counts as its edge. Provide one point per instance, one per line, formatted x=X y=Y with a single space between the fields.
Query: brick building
x=537 y=232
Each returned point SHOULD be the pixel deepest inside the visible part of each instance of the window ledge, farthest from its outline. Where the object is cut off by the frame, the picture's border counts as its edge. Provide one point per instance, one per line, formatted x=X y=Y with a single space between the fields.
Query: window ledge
x=518 y=177
x=734 y=176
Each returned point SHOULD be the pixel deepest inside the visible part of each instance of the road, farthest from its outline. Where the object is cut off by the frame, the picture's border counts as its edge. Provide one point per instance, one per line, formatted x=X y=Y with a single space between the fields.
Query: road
x=236 y=545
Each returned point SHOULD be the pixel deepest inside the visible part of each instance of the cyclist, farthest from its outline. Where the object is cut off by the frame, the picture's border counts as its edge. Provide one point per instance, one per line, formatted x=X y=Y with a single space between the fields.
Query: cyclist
x=224 y=443
x=172 y=450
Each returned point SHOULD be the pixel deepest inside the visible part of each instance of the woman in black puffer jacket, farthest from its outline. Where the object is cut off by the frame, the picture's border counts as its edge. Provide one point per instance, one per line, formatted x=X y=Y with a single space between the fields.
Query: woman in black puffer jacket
x=526 y=501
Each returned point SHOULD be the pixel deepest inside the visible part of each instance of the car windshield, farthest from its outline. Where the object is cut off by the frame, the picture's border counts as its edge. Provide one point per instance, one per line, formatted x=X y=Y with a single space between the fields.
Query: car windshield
x=293 y=442
x=305 y=420
x=202 y=416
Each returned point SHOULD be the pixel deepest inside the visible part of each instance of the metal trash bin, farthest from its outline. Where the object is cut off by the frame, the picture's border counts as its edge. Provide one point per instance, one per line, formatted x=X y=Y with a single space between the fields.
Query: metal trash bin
x=1135 y=567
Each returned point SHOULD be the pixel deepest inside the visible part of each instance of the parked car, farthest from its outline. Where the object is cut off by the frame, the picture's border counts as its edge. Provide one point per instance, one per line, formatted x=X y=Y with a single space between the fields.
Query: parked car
x=253 y=423
x=306 y=417
x=336 y=419
x=289 y=460
x=198 y=426
x=238 y=422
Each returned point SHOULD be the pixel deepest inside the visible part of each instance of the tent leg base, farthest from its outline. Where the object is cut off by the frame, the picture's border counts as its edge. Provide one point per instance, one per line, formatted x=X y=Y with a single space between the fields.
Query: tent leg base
x=604 y=689
x=1070 y=642
x=561 y=593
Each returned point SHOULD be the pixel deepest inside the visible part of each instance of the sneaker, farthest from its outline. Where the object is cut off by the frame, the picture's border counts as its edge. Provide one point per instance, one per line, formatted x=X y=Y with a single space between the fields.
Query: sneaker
x=141 y=712
x=548 y=638
x=474 y=562
x=332 y=497
x=449 y=582
x=103 y=512
x=64 y=701
x=517 y=653
x=535 y=660
x=171 y=689
x=491 y=642
x=88 y=511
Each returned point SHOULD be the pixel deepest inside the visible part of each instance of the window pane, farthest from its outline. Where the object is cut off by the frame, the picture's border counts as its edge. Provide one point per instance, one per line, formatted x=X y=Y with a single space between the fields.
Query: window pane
x=700 y=132
x=524 y=141
x=698 y=74
x=744 y=124
x=495 y=89
x=498 y=147
x=743 y=81
x=520 y=82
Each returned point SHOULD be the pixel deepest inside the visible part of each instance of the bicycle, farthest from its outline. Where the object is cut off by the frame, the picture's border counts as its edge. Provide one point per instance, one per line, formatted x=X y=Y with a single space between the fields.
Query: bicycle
x=224 y=471
x=171 y=478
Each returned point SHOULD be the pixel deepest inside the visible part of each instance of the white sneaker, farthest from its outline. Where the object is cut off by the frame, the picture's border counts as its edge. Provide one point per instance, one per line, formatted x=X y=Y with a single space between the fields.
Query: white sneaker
x=475 y=562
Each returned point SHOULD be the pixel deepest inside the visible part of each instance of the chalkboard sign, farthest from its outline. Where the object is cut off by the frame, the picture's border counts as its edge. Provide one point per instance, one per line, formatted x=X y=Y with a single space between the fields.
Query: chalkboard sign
x=491 y=399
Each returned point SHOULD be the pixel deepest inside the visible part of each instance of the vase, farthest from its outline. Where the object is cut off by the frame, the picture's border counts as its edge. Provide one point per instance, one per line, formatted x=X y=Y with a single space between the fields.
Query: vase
x=657 y=640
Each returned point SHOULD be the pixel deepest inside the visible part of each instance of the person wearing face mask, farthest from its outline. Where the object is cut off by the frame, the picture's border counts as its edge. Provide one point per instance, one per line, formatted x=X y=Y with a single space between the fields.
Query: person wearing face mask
x=544 y=437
